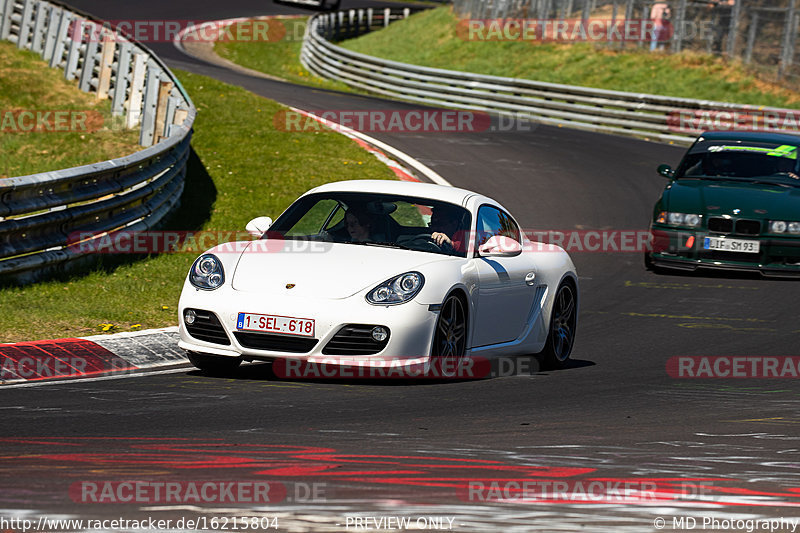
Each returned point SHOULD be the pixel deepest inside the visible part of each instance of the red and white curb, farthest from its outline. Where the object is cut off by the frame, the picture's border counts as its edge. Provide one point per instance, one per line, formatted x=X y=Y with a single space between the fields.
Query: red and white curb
x=95 y=356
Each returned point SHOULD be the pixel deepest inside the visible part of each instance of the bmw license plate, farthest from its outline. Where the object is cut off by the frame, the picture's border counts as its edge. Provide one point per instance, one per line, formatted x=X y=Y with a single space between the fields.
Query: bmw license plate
x=287 y=325
x=730 y=245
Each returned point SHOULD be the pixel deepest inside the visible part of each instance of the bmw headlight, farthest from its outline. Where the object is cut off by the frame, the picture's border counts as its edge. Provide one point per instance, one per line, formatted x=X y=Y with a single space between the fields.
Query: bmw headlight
x=781 y=226
x=679 y=219
x=396 y=290
x=207 y=273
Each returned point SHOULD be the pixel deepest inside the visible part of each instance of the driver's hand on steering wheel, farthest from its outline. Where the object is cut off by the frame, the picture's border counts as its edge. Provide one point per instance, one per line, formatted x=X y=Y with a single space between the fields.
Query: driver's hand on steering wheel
x=441 y=239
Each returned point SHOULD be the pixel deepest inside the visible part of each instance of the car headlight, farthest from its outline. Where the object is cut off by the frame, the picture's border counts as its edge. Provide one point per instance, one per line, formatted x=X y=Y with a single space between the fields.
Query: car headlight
x=781 y=226
x=207 y=273
x=777 y=226
x=679 y=219
x=396 y=290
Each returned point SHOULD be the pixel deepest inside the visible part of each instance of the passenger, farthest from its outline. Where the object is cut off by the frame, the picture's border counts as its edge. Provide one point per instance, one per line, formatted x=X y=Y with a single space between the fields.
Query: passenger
x=358 y=224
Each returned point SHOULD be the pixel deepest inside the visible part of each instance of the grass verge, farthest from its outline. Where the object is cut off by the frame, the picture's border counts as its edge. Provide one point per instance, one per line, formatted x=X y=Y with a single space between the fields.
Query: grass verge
x=430 y=38
x=279 y=58
x=28 y=84
x=241 y=167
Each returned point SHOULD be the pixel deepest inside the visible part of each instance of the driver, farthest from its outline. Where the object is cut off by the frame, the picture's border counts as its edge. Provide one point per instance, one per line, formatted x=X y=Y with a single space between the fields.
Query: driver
x=445 y=228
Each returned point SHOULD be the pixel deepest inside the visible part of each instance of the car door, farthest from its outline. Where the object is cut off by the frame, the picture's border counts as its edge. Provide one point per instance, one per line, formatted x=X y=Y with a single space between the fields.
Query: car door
x=506 y=285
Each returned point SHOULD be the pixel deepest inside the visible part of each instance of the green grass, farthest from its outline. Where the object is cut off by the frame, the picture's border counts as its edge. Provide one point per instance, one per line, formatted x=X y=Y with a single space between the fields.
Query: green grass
x=243 y=167
x=279 y=58
x=27 y=83
x=432 y=38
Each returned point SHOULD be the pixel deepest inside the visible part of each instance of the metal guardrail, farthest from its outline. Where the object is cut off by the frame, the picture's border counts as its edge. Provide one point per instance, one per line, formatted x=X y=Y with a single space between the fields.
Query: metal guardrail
x=41 y=214
x=641 y=115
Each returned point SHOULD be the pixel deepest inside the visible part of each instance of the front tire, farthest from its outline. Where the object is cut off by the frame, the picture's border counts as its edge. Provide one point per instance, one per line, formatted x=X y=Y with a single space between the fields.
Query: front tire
x=450 y=337
x=214 y=364
x=563 y=321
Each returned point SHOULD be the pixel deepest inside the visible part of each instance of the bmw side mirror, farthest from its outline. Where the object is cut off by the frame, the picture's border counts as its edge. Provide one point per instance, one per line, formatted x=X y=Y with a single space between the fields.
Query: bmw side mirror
x=258 y=226
x=666 y=171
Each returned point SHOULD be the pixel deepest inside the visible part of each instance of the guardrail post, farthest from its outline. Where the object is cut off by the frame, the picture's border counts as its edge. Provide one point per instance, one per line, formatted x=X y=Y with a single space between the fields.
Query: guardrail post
x=121 y=79
x=733 y=28
x=89 y=58
x=406 y=12
x=5 y=22
x=76 y=34
x=789 y=36
x=751 y=36
x=351 y=15
x=61 y=39
x=180 y=117
x=52 y=30
x=135 y=96
x=369 y=19
x=147 y=133
x=169 y=120
x=25 y=25
x=677 y=42
x=38 y=27
x=360 y=22
x=164 y=89
x=106 y=64
x=387 y=15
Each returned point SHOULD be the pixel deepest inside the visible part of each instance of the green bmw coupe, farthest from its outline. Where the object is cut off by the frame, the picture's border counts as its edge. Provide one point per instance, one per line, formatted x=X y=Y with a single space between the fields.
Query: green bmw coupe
x=732 y=203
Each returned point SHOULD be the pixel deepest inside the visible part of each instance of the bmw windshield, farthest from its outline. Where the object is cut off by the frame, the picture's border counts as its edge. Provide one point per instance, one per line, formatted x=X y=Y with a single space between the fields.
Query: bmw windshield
x=735 y=160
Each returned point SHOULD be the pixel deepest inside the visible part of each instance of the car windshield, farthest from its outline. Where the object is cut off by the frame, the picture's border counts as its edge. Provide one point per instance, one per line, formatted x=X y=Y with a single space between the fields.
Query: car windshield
x=371 y=219
x=762 y=162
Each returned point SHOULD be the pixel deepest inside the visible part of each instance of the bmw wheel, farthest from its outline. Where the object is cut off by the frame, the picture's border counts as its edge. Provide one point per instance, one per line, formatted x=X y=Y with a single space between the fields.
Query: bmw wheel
x=563 y=321
x=450 y=337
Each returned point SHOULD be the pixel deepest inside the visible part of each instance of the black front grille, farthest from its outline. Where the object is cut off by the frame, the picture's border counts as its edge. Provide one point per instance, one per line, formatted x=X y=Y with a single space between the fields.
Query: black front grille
x=748 y=227
x=739 y=226
x=275 y=343
x=354 y=339
x=721 y=225
x=207 y=327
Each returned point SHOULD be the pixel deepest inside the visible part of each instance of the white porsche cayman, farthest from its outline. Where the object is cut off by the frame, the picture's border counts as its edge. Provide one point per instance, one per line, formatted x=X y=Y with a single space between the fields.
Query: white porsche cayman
x=377 y=271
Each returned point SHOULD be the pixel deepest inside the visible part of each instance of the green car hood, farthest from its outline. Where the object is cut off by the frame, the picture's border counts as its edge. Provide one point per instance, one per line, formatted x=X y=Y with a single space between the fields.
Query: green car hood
x=720 y=197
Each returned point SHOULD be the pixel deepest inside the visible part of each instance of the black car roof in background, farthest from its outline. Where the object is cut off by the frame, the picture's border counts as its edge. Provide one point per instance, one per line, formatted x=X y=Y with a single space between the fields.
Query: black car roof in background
x=751 y=136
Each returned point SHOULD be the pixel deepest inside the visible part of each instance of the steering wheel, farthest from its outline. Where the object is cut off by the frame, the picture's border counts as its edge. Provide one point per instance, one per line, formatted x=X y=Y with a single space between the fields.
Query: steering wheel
x=421 y=241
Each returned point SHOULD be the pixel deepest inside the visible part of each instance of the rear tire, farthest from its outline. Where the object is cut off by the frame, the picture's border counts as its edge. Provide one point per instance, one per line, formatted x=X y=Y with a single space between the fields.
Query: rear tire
x=214 y=364
x=563 y=321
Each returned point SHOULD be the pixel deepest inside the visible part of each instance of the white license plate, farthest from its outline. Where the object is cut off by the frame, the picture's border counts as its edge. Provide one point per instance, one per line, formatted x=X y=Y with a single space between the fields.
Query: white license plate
x=731 y=245
x=287 y=325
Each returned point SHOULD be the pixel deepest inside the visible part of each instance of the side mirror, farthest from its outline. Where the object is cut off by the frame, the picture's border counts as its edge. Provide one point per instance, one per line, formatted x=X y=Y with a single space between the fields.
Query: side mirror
x=499 y=246
x=258 y=226
x=666 y=171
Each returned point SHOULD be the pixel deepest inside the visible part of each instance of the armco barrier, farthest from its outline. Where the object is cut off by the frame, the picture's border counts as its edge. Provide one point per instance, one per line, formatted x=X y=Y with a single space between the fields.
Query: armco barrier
x=38 y=213
x=640 y=115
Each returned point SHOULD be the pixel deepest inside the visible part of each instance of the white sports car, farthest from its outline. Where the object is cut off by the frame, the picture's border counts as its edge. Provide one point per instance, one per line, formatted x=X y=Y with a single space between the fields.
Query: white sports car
x=369 y=272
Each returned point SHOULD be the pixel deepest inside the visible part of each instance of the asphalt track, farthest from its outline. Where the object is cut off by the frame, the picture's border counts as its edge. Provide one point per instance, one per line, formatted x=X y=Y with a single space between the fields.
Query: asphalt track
x=706 y=449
